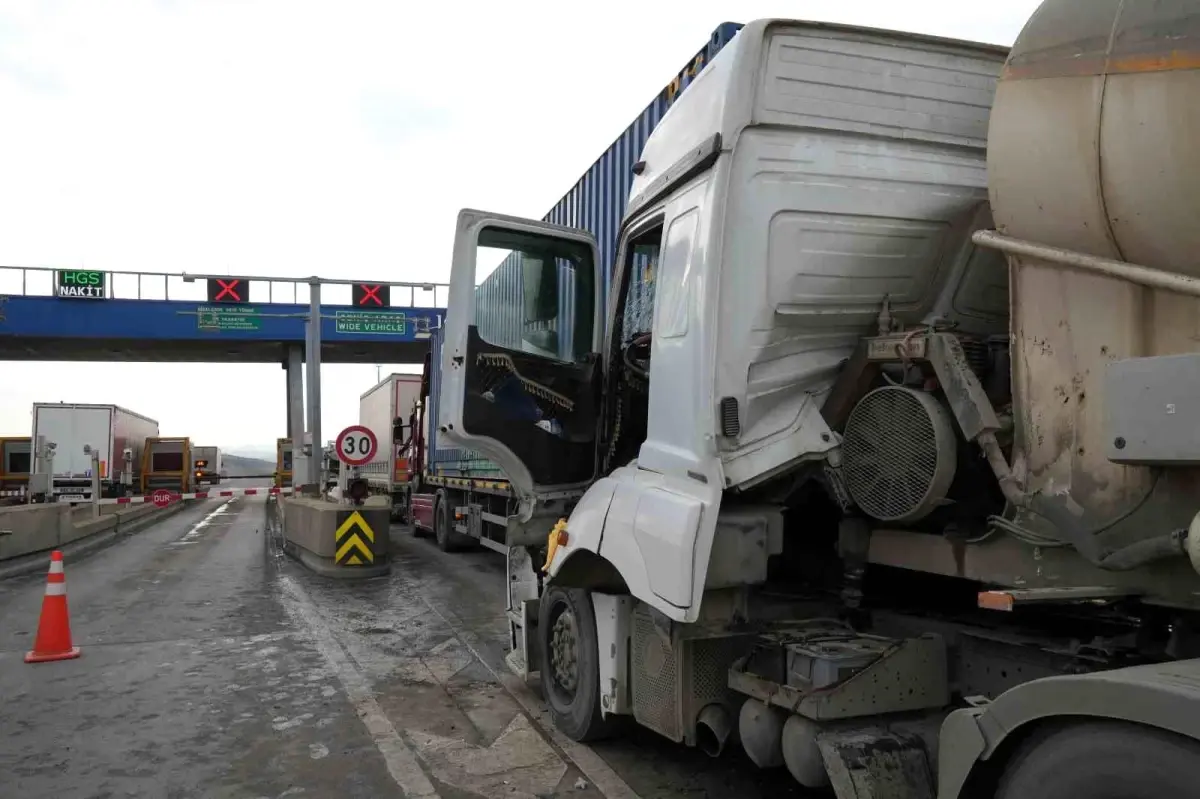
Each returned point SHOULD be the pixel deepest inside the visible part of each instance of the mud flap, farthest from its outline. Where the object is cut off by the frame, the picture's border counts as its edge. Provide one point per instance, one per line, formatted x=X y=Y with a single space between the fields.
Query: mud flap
x=877 y=765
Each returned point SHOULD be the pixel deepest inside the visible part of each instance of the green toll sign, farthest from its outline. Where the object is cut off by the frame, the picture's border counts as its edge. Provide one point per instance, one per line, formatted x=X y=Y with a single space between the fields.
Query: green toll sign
x=88 y=284
x=235 y=318
x=382 y=323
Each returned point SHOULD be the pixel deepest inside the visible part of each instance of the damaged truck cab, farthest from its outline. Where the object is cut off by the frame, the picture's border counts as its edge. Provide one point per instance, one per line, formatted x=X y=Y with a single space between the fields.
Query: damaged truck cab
x=878 y=447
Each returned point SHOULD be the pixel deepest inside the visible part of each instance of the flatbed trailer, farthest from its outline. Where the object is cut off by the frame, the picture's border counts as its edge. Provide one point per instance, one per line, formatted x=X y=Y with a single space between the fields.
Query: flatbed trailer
x=476 y=511
x=460 y=509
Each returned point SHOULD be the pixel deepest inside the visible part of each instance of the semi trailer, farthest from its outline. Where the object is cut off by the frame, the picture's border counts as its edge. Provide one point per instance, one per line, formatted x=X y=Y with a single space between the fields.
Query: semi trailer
x=384 y=409
x=116 y=437
x=876 y=451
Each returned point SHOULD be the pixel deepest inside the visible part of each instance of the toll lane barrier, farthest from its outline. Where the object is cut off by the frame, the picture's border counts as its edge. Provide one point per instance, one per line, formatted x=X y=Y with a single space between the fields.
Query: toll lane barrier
x=163 y=498
x=336 y=540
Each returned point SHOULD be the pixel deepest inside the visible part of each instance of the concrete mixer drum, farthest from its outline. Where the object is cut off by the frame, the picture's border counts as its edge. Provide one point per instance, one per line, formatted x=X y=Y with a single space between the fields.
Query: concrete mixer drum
x=1091 y=149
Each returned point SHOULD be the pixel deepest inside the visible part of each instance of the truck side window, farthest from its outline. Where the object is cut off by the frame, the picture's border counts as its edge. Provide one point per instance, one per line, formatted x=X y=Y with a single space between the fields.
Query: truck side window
x=676 y=268
x=535 y=294
x=641 y=265
x=634 y=322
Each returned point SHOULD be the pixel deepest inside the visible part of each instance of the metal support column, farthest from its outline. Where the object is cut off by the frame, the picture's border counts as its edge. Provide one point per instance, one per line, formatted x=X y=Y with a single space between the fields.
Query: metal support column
x=312 y=358
x=295 y=403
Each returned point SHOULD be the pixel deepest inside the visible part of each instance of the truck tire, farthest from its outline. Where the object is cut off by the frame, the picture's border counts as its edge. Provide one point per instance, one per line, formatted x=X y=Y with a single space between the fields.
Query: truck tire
x=570 y=663
x=1103 y=759
x=447 y=541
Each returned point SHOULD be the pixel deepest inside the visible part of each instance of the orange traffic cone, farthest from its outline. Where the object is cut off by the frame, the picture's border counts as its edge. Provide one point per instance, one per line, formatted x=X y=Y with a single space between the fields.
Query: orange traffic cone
x=54 y=627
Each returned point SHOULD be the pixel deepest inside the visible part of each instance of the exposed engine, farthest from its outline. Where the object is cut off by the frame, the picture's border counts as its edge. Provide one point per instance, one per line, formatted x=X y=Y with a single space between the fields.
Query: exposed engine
x=905 y=462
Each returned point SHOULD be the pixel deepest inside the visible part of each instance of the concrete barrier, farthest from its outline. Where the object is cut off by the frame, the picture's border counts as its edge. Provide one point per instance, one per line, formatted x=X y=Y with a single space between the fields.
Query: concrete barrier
x=29 y=531
x=310 y=530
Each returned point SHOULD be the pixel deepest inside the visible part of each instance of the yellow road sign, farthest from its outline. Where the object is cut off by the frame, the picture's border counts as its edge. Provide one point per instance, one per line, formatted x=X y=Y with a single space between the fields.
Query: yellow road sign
x=353 y=541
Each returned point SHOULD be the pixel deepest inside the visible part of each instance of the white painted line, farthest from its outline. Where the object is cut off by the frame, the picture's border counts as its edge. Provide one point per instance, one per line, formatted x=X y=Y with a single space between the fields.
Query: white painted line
x=607 y=781
x=401 y=762
x=191 y=535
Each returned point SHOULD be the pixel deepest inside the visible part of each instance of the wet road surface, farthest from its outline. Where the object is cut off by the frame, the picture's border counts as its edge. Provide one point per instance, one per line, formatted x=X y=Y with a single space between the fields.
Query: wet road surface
x=213 y=666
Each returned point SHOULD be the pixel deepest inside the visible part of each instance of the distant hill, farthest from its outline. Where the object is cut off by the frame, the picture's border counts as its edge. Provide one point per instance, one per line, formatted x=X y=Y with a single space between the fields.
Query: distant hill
x=253 y=452
x=239 y=466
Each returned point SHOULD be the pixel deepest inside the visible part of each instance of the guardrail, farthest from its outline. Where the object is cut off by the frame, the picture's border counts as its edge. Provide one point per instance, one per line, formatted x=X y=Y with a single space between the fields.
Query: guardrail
x=39 y=281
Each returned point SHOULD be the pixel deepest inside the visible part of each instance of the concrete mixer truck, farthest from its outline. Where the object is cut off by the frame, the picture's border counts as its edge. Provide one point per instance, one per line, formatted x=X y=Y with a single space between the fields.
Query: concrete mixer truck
x=876 y=453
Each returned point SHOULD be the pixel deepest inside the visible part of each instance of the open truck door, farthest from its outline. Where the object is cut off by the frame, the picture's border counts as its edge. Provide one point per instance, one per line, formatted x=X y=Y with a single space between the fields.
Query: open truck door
x=520 y=359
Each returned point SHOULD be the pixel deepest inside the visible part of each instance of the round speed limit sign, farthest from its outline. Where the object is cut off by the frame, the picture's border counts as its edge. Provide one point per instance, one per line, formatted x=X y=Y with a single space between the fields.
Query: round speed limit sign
x=356 y=445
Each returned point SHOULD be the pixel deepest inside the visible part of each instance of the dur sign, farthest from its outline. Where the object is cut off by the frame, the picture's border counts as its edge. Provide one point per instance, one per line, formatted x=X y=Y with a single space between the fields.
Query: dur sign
x=80 y=283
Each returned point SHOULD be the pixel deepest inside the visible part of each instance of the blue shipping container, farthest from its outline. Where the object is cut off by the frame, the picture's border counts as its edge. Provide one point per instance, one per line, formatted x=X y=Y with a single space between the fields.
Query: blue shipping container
x=596 y=204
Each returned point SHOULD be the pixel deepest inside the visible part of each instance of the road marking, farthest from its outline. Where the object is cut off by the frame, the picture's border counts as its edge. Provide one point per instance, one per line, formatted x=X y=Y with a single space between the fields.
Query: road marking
x=401 y=762
x=518 y=762
x=605 y=780
x=190 y=537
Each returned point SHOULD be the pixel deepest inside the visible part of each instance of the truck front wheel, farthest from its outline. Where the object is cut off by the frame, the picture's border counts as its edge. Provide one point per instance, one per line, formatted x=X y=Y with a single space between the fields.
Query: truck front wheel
x=1103 y=759
x=570 y=663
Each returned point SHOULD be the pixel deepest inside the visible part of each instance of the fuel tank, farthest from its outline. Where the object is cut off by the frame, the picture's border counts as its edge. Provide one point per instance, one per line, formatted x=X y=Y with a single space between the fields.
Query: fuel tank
x=1092 y=148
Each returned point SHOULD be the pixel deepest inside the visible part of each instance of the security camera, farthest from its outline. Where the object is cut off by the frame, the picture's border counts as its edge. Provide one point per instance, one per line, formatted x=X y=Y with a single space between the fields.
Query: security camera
x=128 y=453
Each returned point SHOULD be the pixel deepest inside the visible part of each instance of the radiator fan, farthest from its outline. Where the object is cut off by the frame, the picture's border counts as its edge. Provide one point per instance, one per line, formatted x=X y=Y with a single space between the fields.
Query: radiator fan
x=899 y=453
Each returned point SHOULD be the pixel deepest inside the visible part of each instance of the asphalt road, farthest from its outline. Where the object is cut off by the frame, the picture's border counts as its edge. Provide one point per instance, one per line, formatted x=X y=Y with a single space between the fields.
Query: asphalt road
x=213 y=666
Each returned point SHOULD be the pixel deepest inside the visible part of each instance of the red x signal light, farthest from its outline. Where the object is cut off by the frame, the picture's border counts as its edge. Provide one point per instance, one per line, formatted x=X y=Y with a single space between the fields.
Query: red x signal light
x=371 y=295
x=228 y=289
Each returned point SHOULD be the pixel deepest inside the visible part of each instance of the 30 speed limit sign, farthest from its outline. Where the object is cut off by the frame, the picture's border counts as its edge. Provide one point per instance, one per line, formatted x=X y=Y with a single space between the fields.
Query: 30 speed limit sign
x=356 y=445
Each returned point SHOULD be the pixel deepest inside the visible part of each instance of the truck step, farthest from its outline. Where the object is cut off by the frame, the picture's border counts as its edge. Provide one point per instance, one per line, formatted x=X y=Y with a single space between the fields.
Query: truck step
x=1008 y=599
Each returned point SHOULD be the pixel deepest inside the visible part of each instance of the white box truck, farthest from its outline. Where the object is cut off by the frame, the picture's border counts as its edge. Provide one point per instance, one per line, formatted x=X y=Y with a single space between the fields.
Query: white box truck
x=109 y=429
x=206 y=463
x=385 y=410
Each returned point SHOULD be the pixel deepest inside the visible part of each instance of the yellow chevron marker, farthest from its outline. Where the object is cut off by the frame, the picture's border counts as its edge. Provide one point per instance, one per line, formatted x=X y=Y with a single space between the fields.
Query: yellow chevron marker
x=351 y=541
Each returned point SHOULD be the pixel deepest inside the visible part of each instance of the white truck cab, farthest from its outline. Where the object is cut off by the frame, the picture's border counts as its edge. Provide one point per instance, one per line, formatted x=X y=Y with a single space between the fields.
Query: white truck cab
x=770 y=222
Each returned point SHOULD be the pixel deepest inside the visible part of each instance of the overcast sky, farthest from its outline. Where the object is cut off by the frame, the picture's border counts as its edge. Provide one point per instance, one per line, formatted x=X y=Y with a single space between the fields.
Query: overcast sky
x=300 y=137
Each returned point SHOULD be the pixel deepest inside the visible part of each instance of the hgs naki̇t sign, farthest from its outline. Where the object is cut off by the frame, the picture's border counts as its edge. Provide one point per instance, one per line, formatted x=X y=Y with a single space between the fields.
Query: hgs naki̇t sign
x=80 y=283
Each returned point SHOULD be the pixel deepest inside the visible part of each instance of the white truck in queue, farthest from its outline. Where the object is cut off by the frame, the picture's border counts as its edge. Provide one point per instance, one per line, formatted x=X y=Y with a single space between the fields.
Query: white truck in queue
x=206 y=461
x=71 y=433
x=897 y=481
x=385 y=409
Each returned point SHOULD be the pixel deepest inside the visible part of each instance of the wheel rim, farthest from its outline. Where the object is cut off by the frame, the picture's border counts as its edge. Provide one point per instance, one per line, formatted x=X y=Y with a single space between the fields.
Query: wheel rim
x=564 y=653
